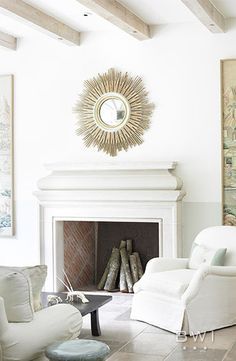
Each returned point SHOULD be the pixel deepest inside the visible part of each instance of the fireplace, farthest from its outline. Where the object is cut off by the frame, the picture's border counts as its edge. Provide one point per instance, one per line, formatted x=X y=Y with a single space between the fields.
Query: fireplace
x=111 y=198
x=88 y=246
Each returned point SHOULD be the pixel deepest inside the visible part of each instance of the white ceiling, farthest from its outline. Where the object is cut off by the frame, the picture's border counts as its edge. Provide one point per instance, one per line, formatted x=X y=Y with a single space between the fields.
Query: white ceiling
x=153 y=12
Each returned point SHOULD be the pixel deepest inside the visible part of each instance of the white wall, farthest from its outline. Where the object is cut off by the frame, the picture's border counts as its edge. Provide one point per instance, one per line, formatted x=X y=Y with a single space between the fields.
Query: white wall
x=180 y=66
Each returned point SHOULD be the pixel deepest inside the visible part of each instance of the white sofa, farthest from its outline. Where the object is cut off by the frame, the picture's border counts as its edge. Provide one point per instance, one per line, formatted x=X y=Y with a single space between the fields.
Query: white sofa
x=174 y=297
x=25 y=328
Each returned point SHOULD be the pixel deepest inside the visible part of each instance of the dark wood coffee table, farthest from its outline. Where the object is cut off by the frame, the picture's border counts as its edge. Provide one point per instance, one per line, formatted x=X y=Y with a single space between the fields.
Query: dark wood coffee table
x=95 y=302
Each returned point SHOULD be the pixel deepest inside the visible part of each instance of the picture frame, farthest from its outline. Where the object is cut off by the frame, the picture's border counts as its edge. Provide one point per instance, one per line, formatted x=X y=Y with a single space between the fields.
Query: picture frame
x=228 y=99
x=6 y=155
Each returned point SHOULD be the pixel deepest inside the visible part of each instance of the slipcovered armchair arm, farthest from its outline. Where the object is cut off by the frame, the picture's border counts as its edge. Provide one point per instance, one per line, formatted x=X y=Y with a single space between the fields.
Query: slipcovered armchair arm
x=3 y=319
x=205 y=274
x=160 y=264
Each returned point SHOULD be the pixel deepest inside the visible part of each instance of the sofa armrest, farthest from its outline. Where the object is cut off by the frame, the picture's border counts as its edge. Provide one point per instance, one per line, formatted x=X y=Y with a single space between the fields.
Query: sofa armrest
x=161 y=264
x=3 y=319
x=208 y=274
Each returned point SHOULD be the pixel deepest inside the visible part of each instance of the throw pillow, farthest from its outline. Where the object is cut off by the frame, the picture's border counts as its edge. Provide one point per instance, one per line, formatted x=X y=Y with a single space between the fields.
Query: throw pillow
x=34 y=279
x=15 y=289
x=196 y=256
x=37 y=275
x=201 y=254
x=219 y=257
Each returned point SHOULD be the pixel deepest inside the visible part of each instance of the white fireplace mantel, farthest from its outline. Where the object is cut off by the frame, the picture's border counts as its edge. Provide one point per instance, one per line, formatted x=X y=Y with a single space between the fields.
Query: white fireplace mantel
x=132 y=192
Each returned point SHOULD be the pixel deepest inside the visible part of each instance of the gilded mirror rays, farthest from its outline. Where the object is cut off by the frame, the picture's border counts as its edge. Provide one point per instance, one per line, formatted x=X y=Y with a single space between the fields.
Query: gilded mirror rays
x=113 y=112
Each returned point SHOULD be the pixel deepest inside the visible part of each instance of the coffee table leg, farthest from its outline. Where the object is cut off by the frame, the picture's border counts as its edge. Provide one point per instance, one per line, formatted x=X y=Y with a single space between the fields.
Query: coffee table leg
x=95 y=326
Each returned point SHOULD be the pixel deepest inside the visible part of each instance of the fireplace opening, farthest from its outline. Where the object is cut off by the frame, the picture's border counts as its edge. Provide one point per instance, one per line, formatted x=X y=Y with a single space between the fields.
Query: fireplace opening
x=88 y=246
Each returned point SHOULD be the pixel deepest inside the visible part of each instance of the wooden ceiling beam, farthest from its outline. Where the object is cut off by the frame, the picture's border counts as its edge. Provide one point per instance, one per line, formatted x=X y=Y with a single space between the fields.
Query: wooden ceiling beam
x=41 y=20
x=207 y=13
x=8 y=41
x=117 y=14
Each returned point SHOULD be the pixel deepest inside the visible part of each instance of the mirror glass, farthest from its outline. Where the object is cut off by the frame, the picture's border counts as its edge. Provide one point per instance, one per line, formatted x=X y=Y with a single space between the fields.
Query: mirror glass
x=112 y=112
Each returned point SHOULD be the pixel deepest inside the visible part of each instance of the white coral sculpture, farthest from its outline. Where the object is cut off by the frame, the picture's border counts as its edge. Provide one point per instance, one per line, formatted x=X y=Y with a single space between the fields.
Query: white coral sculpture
x=71 y=293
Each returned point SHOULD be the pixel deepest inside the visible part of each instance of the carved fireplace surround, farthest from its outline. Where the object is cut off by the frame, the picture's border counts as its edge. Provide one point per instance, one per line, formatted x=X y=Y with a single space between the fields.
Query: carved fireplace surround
x=124 y=192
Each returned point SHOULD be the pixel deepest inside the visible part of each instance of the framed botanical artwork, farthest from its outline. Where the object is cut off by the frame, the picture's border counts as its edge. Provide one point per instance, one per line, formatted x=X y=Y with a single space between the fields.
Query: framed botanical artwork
x=6 y=155
x=228 y=86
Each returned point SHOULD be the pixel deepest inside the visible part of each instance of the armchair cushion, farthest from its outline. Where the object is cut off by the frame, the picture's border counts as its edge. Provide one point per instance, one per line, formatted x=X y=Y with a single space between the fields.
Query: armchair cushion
x=37 y=275
x=21 y=289
x=201 y=254
x=15 y=288
x=168 y=283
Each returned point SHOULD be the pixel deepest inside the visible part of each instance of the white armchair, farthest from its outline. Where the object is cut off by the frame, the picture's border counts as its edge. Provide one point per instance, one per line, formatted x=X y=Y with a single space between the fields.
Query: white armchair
x=26 y=329
x=27 y=341
x=173 y=296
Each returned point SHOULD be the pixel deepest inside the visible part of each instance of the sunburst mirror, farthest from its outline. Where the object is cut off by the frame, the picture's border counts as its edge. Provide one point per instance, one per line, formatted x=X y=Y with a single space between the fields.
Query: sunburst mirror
x=113 y=112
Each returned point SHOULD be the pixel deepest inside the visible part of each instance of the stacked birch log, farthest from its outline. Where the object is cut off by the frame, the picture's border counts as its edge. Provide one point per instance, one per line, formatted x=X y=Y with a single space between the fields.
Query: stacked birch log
x=123 y=269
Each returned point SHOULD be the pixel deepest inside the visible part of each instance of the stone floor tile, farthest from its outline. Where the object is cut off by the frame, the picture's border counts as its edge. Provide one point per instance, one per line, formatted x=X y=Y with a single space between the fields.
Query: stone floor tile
x=196 y=355
x=124 y=316
x=151 y=344
x=122 y=356
x=118 y=309
x=231 y=355
x=219 y=339
x=154 y=329
x=115 y=332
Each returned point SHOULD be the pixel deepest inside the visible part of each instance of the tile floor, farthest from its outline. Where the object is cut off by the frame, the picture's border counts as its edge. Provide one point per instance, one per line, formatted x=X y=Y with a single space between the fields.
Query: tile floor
x=136 y=341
